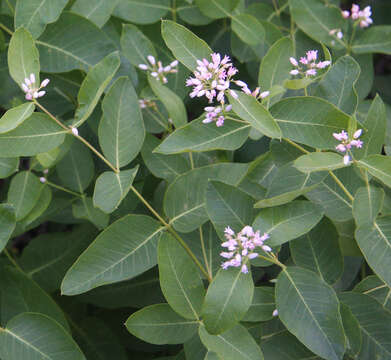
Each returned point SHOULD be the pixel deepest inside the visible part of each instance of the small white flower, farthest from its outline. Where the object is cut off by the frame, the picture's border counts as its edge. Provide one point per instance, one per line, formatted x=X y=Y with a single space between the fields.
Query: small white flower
x=75 y=131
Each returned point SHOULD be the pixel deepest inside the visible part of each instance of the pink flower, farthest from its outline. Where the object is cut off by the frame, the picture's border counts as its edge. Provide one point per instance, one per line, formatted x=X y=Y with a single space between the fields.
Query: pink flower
x=31 y=90
x=293 y=61
x=346 y=14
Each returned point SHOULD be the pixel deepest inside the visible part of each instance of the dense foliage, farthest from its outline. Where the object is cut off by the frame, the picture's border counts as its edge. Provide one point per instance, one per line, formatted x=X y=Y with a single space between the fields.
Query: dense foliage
x=195 y=179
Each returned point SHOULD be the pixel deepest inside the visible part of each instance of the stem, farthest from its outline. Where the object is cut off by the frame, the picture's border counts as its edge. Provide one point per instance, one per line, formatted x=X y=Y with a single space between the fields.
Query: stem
x=12 y=260
x=172 y=231
x=273 y=260
x=63 y=189
x=283 y=7
x=51 y=115
x=208 y=269
x=296 y=145
x=352 y=38
x=2 y=26
x=191 y=160
x=342 y=186
x=305 y=91
x=174 y=10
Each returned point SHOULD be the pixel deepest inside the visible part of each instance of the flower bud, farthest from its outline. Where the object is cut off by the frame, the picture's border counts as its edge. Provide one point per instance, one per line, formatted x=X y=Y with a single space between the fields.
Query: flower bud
x=45 y=83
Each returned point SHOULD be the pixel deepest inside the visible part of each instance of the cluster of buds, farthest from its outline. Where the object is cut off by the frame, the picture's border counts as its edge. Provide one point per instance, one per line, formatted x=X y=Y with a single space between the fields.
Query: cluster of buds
x=241 y=247
x=145 y=103
x=157 y=70
x=307 y=65
x=346 y=143
x=213 y=80
x=336 y=32
x=363 y=17
x=33 y=92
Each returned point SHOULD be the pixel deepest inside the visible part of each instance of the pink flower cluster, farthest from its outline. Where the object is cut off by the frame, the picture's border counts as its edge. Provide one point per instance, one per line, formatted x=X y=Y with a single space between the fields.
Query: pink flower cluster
x=307 y=65
x=346 y=143
x=241 y=247
x=363 y=17
x=33 y=92
x=158 y=71
x=213 y=79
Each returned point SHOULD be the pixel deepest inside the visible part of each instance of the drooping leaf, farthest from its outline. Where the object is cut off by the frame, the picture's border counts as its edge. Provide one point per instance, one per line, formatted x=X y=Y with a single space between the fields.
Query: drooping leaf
x=338 y=84
x=121 y=130
x=248 y=28
x=85 y=209
x=142 y=12
x=186 y=209
x=319 y=251
x=217 y=9
x=135 y=45
x=7 y=224
x=63 y=46
x=378 y=166
x=234 y=344
x=39 y=336
x=374 y=322
x=179 y=278
x=227 y=300
x=316 y=321
x=197 y=136
x=249 y=109
x=111 y=189
x=289 y=221
x=23 y=56
x=23 y=193
x=159 y=324
x=97 y=11
x=8 y=166
x=262 y=306
x=307 y=120
x=131 y=241
x=20 y=294
x=93 y=86
x=34 y=15
x=45 y=197
x=15 y=116
x=172 y=102
x=186 y=47
x=374 y=40
x=319 y=161
x=368 y=201
x=37 y=135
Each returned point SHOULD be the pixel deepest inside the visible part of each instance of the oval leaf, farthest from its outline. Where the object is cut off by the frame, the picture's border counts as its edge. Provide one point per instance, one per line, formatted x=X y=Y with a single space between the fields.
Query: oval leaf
x=319 y=161
x=15 y=116
x=7 y=224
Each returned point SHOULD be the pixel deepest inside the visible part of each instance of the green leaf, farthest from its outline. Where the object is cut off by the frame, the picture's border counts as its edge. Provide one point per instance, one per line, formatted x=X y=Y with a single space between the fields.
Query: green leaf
x=379 y=166
x=275 y=65
x=195 y=350
x=262 y=306
x=62 y=47
x=142 y=12
x=44 y=200
x=376 y=39
x=84 y=209
x=374 y=240
x=375 y=288
x=367 y=203
x=319 y=251
x=20 y=294
x=186 y=209
x=172 y=102
x=317 y=20
x=179 y=278
x=374 y=322
x=286 y=222
x=319 y=161
x=34 y=336
x=196 y=136
x=186 y=47
x=227 y=205
x=159 y=324
x=338 y=84
x=135 y=45
x=289 y=183
x=76 y=168
x=249 y=109
x=297 y=84
x=134 y=238
x=23 y=193
x=308 y=120
x=217 y=9
x=15 y=116
x=234 y=344
x=97 y=11
x=316 y=320
x=49 y=256
x=7 y=224
x=374 y=135
x=111 y=189
x=34 y=15
x=163 y=166
x=352 y=330
x=23 y=56
x=8 y=166
x=37 y=135
x=227 y=300
x=248 y=28
x=121 y=130
x=93 y=86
